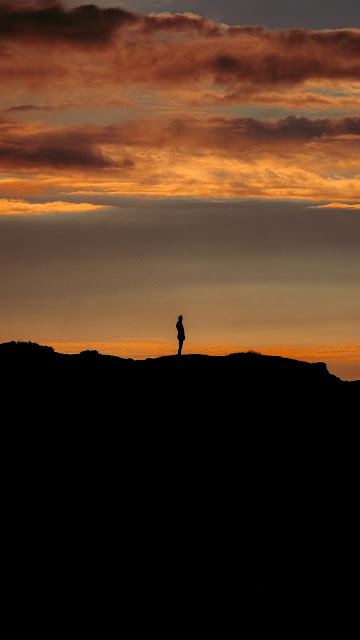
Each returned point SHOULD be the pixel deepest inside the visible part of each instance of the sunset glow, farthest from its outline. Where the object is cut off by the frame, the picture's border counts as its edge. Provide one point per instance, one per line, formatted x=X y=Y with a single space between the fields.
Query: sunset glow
x=342 y=360
x=157 y=162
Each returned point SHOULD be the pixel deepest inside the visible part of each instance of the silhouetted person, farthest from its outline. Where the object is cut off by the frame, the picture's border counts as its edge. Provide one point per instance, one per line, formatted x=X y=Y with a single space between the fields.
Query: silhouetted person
x=181 y=334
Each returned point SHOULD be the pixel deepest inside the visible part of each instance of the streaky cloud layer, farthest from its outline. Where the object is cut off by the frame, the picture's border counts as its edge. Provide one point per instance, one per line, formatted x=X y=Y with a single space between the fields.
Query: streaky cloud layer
x=170 y=86
x=171 y=50
x=22 y=207
x=338 y=205
x=292 y=157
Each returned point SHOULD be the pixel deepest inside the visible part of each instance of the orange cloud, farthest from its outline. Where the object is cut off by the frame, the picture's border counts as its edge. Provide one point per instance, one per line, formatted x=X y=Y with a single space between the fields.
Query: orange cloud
x=21 y=207
x=314 y=159
x=289 y=99
x=29 y=146
x=208 y=175
x=112 y=49
x=115 y=146
x=338 y=205
x=123 y=58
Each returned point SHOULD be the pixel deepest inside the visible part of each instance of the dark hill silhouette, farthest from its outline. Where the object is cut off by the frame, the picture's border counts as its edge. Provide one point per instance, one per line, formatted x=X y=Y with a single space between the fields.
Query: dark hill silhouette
x=177 y=497
x=206 y=388
x=250 y=368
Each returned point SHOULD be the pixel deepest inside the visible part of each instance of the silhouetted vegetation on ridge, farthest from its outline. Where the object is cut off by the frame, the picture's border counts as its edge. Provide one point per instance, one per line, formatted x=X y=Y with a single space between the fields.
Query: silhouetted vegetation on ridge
x=25 y=349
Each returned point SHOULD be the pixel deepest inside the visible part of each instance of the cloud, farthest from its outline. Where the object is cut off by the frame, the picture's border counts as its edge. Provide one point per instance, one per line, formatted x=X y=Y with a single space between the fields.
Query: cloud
x=48 y=155
x=216 y=132
x=303 y=99
x=174 y=58
x=23 y=146
x=163 y=62
x=95 y=103
x=219 y=132
x=204 y=50
x=27 y=107
x=338 y=205
x=293 y=157
x=51 y=22
x=88 y=24
x=22 y=207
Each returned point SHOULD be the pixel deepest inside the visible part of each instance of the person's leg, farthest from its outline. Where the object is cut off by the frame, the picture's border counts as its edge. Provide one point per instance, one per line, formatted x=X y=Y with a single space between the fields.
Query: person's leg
x=180 y=347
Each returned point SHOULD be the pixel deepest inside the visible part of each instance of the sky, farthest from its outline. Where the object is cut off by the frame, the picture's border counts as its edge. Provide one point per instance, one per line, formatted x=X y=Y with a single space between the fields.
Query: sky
x=182 y=157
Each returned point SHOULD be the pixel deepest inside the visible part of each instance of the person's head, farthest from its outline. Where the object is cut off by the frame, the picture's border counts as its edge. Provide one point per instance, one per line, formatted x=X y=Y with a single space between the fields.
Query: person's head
x=180 y=317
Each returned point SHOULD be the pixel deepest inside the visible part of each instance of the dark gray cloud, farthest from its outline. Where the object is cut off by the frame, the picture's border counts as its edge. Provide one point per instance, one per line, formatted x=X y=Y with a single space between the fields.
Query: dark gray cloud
x=27 y=107
x=66 y=148
x=87 y=24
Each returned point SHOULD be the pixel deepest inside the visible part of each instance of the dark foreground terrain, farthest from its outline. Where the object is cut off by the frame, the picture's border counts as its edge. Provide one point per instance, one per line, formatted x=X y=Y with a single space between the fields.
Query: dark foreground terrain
x=177 y=497
x=191 y=390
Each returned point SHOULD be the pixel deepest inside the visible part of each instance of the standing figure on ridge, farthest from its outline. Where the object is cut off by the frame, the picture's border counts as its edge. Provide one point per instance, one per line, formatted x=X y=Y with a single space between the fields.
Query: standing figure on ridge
x=181 y=334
